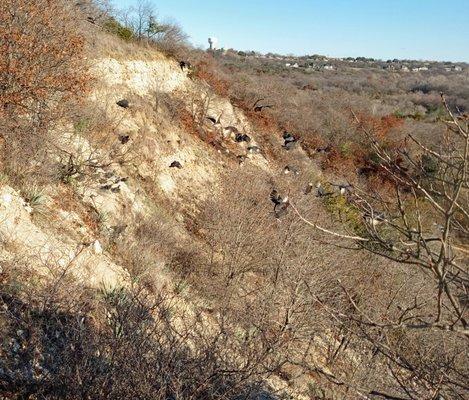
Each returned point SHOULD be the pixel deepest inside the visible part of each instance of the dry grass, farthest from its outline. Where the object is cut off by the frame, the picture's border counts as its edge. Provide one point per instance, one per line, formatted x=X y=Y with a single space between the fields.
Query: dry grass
x=106 y=45
x=231 y=296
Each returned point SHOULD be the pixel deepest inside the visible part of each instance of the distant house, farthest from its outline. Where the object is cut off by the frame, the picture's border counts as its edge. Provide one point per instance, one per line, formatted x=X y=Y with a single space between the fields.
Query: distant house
x=418 y=69
x=287 y=65
x=329 y=68
x=405 y=68
x=457 y=68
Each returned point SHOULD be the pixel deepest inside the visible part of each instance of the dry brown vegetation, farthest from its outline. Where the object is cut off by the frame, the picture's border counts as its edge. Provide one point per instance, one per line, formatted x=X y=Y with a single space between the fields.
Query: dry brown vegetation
x=317 y=106
x=355 y=295
x=41 y=71
x=396 y=168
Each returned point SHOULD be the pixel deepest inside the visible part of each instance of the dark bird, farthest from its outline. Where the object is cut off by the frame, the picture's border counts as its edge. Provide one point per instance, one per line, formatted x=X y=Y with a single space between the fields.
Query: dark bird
x=288 y=137
x=242 y=137
x=185 y=65
x=275 y=197
x=289 y=141
x=259 y=108
x=321 y=192
x=123 y=103
x=175 y=164
x=281 y=204
x=124 y=139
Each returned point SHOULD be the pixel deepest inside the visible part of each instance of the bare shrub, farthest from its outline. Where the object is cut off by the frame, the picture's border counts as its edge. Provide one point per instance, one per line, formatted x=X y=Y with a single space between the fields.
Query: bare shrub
x=420 y=223
x=118 y=344
x=142 y=23
x=171 y=39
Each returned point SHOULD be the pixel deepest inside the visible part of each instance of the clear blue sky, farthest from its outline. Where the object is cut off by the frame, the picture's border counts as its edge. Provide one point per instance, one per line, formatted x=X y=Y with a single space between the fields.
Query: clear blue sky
x=415 y=29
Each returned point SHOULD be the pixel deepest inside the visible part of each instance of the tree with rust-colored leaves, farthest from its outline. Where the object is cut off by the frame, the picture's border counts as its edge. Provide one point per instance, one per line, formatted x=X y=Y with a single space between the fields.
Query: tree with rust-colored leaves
x=41 y=56
x=42 y=68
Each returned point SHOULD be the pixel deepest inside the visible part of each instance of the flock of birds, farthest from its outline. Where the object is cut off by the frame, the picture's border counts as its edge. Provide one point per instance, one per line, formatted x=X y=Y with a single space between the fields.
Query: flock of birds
x=281 y=203
x=237 y=136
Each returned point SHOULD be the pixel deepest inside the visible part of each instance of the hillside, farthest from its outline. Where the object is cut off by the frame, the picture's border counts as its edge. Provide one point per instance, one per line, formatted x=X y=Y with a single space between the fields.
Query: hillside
x=212 y=231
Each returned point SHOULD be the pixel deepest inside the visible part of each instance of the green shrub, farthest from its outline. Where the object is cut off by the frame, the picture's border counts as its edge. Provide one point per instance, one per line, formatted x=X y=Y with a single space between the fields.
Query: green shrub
x=344 y=211
x=34 y=197
x=81 y=125
x=346 y=149
x=429 y=164
x=116 y=28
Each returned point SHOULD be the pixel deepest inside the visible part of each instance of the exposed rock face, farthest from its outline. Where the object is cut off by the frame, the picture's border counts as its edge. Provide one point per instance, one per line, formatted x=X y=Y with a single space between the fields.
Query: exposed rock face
x=46 y=251
x=108 y=190
x=118 y=192
x=141 y=77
